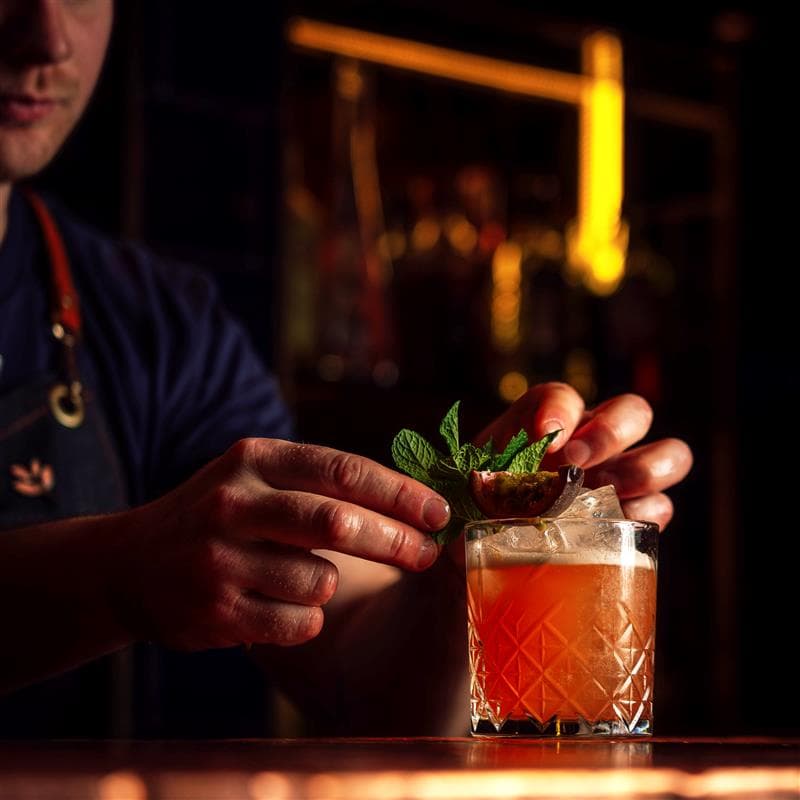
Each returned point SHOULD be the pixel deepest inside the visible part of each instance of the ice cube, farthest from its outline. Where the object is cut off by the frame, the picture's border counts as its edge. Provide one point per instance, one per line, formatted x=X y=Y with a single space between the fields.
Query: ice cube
x=595 y=504
x=529 y=538
x=515 y=542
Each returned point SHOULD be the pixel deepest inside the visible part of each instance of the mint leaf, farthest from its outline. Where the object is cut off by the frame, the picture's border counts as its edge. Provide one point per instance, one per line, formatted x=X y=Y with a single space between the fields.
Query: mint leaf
x=446 y=470
x=462 y=506
x=449 y=428
x=449 y=474
x=415 y=455
x=528 y=460
x=516 y=444
x=470 y=457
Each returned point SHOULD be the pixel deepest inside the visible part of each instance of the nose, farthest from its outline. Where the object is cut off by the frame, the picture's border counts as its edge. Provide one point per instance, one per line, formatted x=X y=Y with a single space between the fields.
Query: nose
x=36 y=33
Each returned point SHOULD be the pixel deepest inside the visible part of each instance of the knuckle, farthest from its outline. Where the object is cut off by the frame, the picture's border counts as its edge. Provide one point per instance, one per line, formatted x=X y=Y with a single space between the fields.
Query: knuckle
x=608 y=432
x=403 y=496
x=243 y=452
x=345 y=471
x=324 y=582
x=223 y=501
x=400 y=545
x=336 y=523
x=214 y=562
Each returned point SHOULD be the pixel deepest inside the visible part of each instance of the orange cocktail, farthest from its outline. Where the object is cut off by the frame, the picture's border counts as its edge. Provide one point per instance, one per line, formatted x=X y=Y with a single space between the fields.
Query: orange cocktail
x=562 y=641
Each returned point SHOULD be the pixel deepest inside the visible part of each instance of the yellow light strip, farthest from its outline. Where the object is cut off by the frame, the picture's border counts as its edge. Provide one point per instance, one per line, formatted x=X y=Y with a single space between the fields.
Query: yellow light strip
x=441 y=62
x=598 y=240
x=506 y=295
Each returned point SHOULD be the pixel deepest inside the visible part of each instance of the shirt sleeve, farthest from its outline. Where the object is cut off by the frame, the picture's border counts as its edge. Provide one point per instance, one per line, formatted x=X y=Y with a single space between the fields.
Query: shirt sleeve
x=210 y=385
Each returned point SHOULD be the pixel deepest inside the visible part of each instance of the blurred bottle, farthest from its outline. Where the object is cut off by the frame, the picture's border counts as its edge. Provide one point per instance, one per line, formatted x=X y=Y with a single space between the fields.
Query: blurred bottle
x=355 y=334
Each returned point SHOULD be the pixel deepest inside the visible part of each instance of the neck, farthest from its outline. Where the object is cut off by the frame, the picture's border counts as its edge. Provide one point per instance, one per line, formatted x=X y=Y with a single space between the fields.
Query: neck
x=5 y=194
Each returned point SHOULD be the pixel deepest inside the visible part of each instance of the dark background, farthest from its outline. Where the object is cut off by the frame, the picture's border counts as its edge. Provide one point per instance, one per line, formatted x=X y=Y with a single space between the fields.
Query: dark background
x=185 y=148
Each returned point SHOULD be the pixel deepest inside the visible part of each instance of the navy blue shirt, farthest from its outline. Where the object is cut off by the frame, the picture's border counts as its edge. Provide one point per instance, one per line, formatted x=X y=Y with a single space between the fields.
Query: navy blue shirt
x=175 y=374
x=178 y=382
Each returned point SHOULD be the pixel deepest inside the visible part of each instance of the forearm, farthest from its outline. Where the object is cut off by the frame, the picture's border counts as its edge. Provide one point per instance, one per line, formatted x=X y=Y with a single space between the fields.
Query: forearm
x=56 y=609
x=394 y=663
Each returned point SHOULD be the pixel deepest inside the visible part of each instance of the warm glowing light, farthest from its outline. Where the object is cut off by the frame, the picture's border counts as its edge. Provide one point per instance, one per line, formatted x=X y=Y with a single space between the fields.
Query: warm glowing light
x=461 y=234
x=512 y=386
x=269 y=786
x=426 y=234
x=598 y=239
x=547 y=243
x=349 y=80
x=325 y=785
x=506 y=295
x=724 y=783
x=122 y=786
x=490 y=236
x=439 y=61
x=392 y=245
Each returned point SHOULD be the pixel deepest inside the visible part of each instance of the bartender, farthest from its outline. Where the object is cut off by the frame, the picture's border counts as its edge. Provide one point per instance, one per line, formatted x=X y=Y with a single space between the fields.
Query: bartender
x=148 y=488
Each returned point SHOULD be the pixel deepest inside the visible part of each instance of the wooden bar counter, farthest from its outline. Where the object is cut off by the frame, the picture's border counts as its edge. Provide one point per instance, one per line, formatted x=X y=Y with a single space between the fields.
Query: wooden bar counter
x=399 y=768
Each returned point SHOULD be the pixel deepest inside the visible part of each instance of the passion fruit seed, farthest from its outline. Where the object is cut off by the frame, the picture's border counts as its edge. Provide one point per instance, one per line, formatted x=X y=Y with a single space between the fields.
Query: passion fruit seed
x=525 y=494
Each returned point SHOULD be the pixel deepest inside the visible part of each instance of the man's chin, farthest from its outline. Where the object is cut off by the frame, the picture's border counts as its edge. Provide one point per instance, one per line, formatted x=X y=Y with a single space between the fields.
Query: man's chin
x=23 y=153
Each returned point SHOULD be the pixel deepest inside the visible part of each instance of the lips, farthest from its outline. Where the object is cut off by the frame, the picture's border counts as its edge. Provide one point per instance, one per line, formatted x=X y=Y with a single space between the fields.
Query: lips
x=24 y=109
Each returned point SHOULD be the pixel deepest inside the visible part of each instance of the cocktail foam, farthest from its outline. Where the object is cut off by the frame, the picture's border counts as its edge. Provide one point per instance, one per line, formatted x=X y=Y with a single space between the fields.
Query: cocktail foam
x=482 y=554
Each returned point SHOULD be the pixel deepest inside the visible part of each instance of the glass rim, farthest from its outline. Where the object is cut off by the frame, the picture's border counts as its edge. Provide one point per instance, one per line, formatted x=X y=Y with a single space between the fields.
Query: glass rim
x=517 y=521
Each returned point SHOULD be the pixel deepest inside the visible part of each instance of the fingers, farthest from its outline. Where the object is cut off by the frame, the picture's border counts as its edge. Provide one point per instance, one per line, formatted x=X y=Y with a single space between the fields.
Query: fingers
x=310 y=521
x=284 y=573
x=544 y=408
x=345 y=476
x=644 y=470
x=609 y=429
x=260 y=620
x=245 y=593
x=310 y=497
x=651 y=508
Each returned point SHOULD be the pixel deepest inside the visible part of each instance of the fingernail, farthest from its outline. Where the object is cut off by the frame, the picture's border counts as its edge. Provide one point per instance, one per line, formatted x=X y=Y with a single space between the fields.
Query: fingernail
x=435 y=513
x=577 y=452
x=554 y=425
x=428 y=553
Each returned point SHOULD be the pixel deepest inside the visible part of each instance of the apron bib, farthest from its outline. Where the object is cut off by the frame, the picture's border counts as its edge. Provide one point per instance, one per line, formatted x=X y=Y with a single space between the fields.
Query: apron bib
x=57 y=460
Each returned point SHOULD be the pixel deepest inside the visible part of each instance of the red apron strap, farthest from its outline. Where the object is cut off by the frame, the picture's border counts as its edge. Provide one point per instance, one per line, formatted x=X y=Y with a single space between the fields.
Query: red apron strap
x=66 y=399
x=66 y=308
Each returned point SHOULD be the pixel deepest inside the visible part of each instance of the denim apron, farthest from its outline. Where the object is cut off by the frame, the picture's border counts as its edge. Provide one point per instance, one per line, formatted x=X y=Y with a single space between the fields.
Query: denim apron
x=58 y=460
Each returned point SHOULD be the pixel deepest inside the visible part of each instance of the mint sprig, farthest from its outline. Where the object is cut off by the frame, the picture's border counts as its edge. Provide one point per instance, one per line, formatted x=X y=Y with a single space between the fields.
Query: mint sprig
x=449 y=474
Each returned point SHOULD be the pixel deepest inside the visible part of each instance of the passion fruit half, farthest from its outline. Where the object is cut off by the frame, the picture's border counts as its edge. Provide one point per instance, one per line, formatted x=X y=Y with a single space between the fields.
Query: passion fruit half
x=525 y=494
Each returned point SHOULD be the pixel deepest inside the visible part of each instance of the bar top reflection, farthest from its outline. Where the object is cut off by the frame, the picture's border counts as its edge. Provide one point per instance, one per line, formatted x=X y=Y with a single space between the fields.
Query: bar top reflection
x=401 y=768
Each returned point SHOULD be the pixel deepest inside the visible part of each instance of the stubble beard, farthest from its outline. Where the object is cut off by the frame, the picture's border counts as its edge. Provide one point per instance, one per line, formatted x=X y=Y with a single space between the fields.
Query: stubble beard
x=26 y=149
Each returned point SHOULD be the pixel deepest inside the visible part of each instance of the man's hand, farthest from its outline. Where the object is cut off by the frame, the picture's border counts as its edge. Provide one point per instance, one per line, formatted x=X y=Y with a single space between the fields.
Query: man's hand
x=601 y=441
x=225 y=558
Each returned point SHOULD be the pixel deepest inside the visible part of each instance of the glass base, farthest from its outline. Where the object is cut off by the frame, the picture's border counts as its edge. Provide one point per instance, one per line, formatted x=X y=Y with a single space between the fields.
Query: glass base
x=557 y=728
